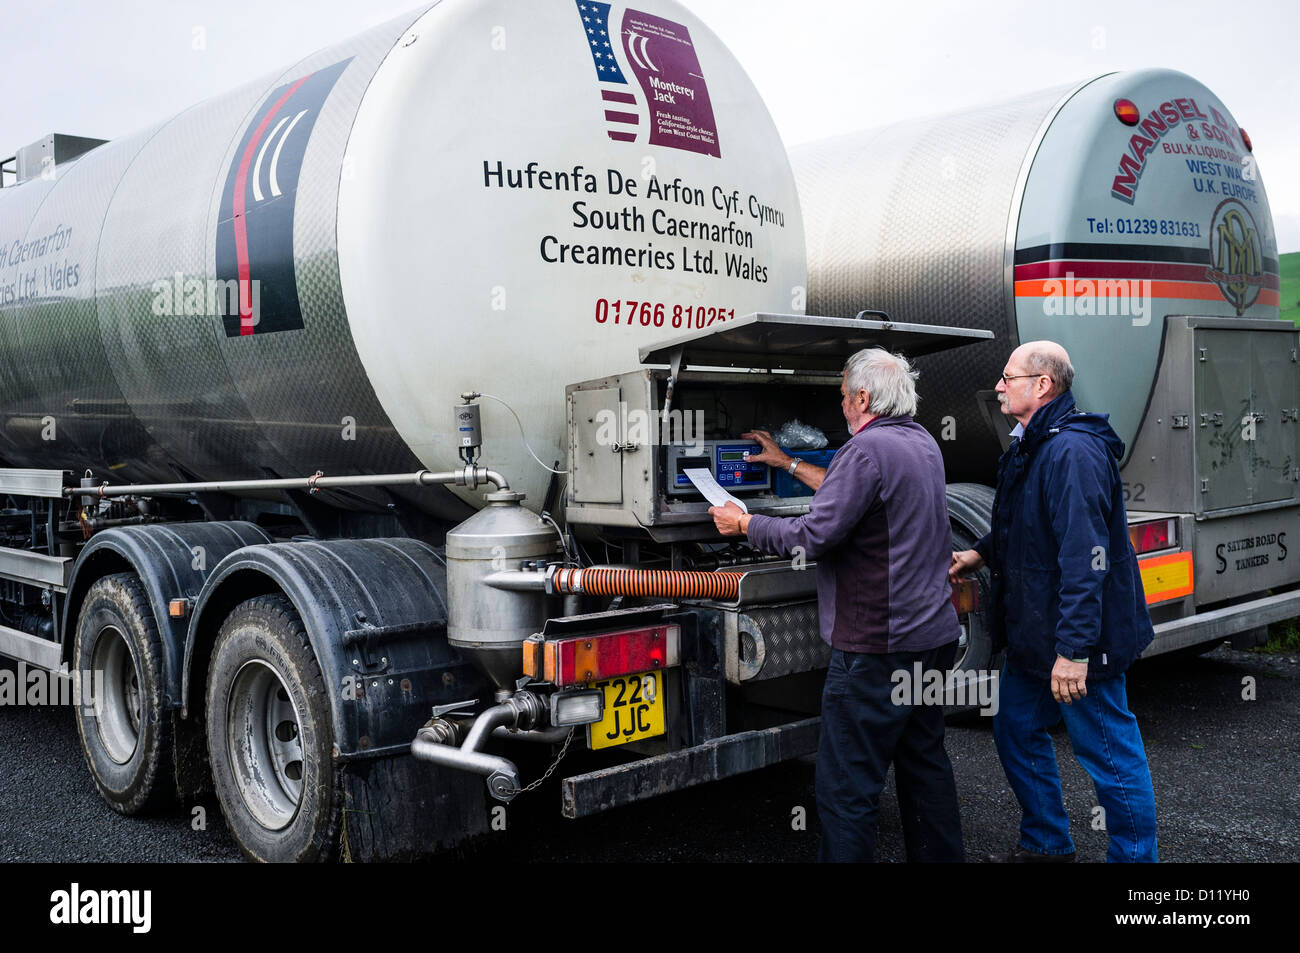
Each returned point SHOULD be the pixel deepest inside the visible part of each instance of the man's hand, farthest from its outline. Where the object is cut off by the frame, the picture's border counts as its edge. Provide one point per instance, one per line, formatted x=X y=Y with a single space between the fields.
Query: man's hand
x=963 y=563
x=1069 y=680
x=772 y=455
x=730 y=520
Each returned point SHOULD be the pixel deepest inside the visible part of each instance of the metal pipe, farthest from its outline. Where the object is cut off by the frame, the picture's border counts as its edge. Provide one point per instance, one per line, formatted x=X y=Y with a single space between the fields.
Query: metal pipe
x=516 y=580
x=502 y=775
x=433 y=745
x=496 y=479
x=470 y=476
x=496 y=716
x=552 y=735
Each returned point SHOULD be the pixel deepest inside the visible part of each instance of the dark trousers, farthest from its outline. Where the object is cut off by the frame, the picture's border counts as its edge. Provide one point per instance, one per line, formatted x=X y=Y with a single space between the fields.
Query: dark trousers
x=863 y=730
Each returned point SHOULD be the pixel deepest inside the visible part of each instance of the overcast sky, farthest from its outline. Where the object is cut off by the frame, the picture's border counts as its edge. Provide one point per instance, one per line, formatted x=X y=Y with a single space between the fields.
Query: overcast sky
x=824 y=66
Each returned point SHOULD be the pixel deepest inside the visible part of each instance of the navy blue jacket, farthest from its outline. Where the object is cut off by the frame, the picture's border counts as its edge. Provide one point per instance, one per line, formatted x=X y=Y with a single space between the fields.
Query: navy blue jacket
x=1065 y=577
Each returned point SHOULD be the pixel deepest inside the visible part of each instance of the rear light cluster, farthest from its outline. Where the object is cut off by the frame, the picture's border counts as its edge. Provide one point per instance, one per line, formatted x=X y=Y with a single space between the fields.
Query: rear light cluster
x=1154 y=535
x=966 y=596
x=600 y=655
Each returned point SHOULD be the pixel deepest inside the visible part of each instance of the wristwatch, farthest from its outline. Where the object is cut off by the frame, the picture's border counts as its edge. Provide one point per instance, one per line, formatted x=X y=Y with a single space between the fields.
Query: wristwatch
x=794 y=465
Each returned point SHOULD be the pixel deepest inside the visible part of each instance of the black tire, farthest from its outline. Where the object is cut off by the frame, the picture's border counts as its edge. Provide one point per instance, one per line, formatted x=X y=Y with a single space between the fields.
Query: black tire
x=126 y=735
x=279 y=789
x=975 y=648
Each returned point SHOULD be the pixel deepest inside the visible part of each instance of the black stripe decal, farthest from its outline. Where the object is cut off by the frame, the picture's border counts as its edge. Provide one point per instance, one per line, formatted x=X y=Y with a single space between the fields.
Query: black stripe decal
x=1100 y=251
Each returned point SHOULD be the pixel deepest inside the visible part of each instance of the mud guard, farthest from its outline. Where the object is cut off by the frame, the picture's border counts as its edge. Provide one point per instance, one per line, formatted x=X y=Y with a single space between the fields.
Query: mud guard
x=173 y=561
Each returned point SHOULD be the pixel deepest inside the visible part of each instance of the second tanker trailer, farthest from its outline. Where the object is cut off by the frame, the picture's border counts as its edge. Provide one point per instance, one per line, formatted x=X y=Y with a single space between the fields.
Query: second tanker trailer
x=1125 y=218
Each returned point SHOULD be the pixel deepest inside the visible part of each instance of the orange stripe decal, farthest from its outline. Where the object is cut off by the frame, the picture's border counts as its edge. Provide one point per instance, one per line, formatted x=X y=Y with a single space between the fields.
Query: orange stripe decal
x=1187 y=290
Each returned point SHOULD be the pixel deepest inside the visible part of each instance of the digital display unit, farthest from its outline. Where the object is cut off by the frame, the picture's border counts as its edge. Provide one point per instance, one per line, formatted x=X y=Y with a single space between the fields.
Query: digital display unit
x=727 y=460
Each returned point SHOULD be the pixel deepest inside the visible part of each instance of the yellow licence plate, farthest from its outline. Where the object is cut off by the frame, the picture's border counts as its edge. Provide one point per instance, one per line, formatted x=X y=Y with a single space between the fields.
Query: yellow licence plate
x=634 y=709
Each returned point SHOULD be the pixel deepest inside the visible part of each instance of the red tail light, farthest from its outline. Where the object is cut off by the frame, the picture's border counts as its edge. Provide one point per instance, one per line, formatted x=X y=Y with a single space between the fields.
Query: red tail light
x=1246 y=139
x=1149 y=537
x=600 y=655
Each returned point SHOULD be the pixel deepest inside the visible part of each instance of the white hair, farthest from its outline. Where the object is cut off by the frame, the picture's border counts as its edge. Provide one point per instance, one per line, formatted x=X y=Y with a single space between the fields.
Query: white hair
x=887 y=378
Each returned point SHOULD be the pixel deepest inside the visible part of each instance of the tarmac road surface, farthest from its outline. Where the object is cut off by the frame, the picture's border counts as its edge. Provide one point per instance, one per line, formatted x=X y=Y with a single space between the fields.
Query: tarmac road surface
x=1226 y=772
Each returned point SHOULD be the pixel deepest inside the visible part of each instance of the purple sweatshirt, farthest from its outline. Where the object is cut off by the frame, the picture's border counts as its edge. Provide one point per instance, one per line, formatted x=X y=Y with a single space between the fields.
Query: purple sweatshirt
x=878 y=529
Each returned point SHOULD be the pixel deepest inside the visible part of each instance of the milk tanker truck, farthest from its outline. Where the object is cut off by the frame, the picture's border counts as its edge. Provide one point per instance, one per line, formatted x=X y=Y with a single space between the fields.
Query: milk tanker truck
x=347 y=416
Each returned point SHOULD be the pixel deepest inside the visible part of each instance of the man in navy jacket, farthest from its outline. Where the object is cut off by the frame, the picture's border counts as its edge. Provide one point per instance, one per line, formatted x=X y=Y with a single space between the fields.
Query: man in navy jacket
x=878 y=528
x=1069 y=607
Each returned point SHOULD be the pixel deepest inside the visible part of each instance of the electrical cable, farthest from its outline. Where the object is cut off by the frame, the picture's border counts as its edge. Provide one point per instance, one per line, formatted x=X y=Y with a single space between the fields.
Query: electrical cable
x=522 y=436
x=564 y=543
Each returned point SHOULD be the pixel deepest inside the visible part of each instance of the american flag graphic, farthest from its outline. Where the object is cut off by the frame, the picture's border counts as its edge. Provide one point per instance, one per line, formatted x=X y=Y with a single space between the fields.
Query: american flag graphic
x=622 y=108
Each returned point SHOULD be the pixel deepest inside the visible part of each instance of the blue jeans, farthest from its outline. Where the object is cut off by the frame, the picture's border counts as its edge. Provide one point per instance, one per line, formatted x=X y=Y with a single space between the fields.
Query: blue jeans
x=1106 y=740
x=862 y=731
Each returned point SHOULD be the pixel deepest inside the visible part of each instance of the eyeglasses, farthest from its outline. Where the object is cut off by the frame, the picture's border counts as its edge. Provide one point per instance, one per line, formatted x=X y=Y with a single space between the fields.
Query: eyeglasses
x=1008 y=378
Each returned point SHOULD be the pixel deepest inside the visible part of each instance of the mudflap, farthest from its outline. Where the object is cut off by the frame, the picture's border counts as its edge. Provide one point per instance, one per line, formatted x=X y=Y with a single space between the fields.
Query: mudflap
x=396 y=808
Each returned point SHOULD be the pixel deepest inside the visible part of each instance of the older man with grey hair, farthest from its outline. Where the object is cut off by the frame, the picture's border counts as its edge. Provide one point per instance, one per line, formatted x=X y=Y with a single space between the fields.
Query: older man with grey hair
x=878 y=528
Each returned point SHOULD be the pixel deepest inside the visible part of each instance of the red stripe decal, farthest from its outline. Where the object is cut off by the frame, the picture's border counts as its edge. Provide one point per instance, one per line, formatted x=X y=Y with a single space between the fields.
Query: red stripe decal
x=1119 y=270
x=241 y=228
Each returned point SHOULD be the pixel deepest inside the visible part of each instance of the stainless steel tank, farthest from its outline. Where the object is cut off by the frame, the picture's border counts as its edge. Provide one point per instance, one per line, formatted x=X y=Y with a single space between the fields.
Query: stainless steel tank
x=489 y=624
x=304 y=273
x=1041 y=218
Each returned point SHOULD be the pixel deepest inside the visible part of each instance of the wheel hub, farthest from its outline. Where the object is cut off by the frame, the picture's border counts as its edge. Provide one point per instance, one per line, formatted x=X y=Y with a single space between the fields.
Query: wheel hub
x=264 y=735
x=118 y=704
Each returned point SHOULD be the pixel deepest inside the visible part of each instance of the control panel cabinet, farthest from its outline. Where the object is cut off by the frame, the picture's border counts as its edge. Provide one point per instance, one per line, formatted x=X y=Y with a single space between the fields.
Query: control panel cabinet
x=627 y=457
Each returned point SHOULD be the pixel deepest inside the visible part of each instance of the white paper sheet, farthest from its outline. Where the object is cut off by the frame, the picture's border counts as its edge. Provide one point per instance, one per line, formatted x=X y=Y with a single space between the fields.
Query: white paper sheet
x=708 y=486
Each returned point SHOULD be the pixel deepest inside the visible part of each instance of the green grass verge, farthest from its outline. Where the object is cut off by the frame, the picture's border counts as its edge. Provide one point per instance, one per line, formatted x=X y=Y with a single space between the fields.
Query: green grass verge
x=1282 y=637
x=1289 y=265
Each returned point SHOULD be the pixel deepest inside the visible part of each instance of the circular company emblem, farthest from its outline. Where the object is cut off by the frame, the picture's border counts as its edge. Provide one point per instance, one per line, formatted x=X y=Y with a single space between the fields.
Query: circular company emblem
x=1236 y=255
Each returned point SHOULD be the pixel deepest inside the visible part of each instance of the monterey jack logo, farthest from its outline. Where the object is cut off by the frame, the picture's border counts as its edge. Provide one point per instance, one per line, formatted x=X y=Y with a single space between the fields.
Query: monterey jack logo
x=672 y=106
x=255 y=225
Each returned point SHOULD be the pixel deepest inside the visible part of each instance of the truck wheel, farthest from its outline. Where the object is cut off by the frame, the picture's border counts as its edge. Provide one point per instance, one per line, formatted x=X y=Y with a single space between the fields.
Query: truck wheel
x=269 y=737
x=975 y=645
x=126 y=732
